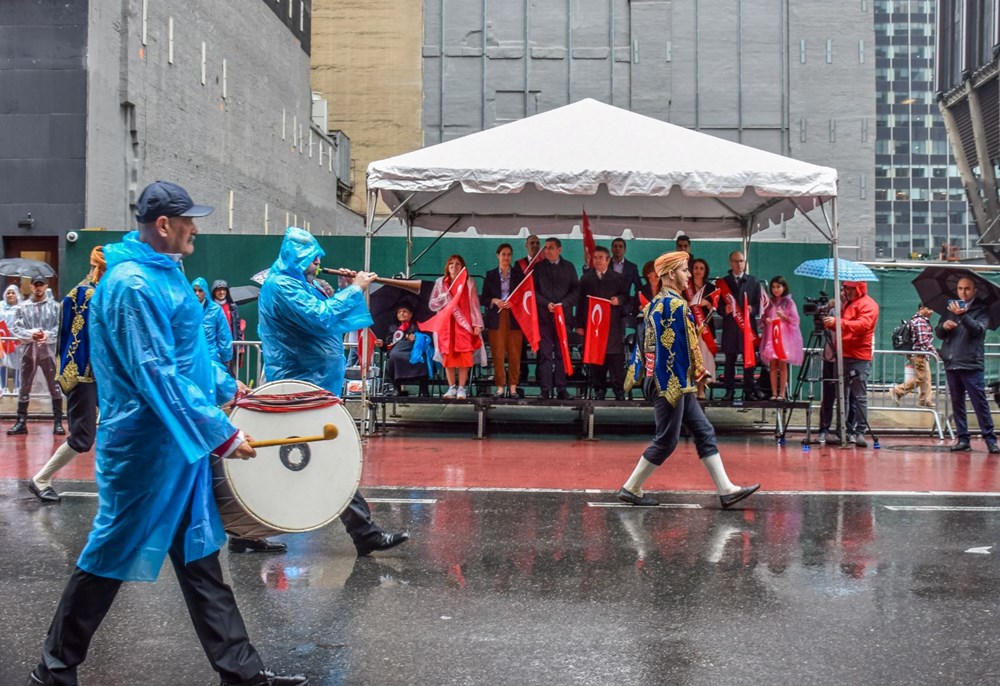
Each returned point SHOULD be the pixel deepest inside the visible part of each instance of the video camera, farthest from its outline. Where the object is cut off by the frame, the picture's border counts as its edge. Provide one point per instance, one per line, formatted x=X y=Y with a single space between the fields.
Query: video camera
x=818 y=308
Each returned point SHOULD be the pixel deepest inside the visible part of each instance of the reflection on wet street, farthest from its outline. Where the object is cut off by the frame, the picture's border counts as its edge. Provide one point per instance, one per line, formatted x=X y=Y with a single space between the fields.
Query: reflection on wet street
x=561 y=588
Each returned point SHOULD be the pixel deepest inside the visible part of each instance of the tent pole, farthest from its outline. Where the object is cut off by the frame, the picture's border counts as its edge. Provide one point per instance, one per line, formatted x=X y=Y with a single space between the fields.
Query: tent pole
x=839 y=335
x=409 y=245
x=366 y=414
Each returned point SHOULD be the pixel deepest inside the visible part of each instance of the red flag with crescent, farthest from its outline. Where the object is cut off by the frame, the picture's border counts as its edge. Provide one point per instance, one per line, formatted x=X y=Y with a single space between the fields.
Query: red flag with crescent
x=441 y=323
x=643 y=300
x=525 y=310
x=595 y=345
x=557 y=314
x=589 y=244
x=777 y=341
x=7 y=346
x=749 y=359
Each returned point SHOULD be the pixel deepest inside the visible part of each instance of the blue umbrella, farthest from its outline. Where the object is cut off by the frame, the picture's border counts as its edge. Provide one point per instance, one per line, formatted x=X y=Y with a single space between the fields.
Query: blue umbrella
x=823 y=269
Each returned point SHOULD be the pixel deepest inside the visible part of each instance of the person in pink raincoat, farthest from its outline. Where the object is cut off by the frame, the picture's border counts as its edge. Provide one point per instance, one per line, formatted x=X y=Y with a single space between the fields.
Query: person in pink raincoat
x=781 y=340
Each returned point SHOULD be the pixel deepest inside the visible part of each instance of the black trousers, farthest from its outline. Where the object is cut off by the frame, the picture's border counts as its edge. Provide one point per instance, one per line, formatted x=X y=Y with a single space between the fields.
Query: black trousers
x=357 y=519
x=614 y=364
x=749 y=384
x=31 y=361
x=210 y=602
x=81 y=411
x=669 y=421
x=550 y=367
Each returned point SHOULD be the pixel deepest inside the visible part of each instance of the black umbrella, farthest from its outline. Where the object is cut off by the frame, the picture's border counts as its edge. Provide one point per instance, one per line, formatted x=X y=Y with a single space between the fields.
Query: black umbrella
x=385 y=300
x=937 y=285
x=25 y=267
x=244 y=294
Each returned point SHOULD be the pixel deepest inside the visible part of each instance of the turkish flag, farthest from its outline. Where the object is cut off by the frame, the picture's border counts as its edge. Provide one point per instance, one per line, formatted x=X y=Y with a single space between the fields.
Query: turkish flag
x=643 y=300
x=595 y=346
x=441 y=323
x=7 y=346
x=778 y=342
x=749 y=359
x=560 y=318
x=525 y=310
x=589 y=245
x=368 y=351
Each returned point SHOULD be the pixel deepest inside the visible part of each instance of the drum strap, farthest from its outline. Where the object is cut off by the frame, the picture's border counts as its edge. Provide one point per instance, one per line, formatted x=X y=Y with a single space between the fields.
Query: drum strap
x=291 y=402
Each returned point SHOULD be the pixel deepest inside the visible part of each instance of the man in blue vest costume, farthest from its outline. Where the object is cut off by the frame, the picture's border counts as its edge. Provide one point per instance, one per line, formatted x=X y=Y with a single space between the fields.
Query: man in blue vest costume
x=302 y=331
x=160 y=421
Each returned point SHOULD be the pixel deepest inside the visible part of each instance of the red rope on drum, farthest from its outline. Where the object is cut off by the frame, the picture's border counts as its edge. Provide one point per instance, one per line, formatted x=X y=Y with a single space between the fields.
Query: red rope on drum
x=288 y=402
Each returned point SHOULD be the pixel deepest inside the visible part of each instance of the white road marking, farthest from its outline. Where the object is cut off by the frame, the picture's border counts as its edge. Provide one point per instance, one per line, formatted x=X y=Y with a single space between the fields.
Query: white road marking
x=984 y=550
x=78 y=494
x=404 y=501
x=940 y=508
x=666 y=506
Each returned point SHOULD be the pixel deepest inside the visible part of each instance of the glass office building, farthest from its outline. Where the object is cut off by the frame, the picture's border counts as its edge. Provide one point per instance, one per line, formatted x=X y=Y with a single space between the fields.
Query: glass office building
x=920 y=203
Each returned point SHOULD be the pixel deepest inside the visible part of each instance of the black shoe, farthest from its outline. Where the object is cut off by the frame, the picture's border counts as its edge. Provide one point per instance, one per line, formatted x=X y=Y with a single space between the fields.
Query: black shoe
x=960 y=447
x=34 y=680
x=381 y=541
x=619 y=396
x=640 y=500
x=562 y=394
x=520 y=392
x=46 y=495
x=268 y=678
x=57 y=427
x=544 y=395
x=729 y=500
x=20 y=427
x=993 y=448
x=728 y=397
x=238 y=544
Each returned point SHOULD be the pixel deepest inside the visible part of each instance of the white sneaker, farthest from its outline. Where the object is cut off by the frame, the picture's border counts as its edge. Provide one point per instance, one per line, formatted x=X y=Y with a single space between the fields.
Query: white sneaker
x=461 y=393
x=451 y=392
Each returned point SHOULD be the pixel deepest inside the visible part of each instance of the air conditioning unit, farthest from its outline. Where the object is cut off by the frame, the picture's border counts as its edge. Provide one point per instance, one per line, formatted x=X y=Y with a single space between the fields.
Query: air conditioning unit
x=320 y=111
x=343 y=161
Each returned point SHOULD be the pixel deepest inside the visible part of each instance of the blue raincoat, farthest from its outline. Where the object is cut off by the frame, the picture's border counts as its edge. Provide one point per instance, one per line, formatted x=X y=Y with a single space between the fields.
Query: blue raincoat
x=217 y=333
x=301 y=329
x=159 y=391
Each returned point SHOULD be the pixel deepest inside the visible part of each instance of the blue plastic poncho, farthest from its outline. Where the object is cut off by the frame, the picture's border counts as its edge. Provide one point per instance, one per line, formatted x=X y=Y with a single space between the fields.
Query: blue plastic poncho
x=217 y=333
x=159 y=418
x=301 y=329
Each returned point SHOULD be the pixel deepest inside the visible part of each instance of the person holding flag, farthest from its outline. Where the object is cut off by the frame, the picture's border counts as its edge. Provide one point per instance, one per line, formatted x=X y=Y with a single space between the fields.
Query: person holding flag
x=702 y=296
x=781 y=340
x=506 y=339
x=603 y=293
x=668 y=363
x=557 y=287
x=740 y=301
x=457 y=325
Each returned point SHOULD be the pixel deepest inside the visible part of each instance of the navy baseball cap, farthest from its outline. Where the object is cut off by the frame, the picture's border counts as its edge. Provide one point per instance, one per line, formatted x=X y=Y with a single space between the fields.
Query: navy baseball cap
x=165 y=199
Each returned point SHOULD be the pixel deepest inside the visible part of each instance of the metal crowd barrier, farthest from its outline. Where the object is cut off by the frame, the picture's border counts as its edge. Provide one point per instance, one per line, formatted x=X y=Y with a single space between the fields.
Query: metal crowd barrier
x=10 y=368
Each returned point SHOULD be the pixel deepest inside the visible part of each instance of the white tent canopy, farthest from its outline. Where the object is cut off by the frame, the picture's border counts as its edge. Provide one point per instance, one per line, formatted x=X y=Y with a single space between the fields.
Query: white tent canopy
x=625 y=169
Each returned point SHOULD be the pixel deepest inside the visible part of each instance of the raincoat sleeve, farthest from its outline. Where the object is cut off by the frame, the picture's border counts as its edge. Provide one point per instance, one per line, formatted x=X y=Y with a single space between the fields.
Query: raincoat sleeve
x=225 y=384
x=440 y=296
x=147 y=349
x=19 y=327
x=344 y=311
x=223 y=336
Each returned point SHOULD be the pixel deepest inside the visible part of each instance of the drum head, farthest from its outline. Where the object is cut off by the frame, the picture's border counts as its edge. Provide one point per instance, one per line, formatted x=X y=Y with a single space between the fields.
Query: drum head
x=299 y=487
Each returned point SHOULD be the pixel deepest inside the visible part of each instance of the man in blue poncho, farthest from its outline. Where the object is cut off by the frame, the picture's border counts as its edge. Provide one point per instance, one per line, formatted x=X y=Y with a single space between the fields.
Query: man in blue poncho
x=160 y=421
x=302 y=331
x=217 y=333
x=671 y=359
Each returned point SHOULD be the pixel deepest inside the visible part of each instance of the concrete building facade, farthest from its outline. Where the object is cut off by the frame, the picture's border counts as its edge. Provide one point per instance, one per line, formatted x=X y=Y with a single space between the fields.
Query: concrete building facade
x=100 y=97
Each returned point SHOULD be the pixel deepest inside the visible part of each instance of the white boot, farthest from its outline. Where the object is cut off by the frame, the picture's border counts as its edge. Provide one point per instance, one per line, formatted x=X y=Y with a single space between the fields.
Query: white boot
x=643 y=470
x=60 y=458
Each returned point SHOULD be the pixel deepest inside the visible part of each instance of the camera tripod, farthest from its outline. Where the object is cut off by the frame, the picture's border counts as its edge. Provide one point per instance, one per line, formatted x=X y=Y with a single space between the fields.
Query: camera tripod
x=818 y=339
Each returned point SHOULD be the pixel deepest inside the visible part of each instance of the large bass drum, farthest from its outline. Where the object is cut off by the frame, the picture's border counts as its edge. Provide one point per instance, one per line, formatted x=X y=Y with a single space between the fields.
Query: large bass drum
x=290 y=488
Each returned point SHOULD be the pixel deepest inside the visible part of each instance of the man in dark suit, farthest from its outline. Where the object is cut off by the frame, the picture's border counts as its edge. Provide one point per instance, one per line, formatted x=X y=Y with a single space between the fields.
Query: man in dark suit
x=742 y=286
x=556 y=283
x=531 y=248
x=602 y=282
x=630 y=272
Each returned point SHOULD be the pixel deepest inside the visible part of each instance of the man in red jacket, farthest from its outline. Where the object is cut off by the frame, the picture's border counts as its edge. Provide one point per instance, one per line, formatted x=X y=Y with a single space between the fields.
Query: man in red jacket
x=860 y=315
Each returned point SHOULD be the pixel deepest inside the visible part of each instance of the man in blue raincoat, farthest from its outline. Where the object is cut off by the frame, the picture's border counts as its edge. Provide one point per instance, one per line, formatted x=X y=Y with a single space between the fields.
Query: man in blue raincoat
x=160 y=421
x=217 y=333
x=302 y=337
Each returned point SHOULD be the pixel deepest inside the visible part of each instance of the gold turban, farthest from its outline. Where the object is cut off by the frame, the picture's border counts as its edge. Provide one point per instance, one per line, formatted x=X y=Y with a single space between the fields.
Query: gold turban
x=669 y=261
x=98 y=262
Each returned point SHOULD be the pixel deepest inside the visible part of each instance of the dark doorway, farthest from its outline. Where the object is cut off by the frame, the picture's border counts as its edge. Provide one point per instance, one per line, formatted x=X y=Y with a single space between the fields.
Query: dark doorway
x=44 y=248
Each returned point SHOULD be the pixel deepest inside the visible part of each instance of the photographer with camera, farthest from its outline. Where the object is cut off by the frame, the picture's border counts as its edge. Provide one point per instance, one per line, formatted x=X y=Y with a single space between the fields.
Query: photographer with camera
x=857 y=322
x=963 y=331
